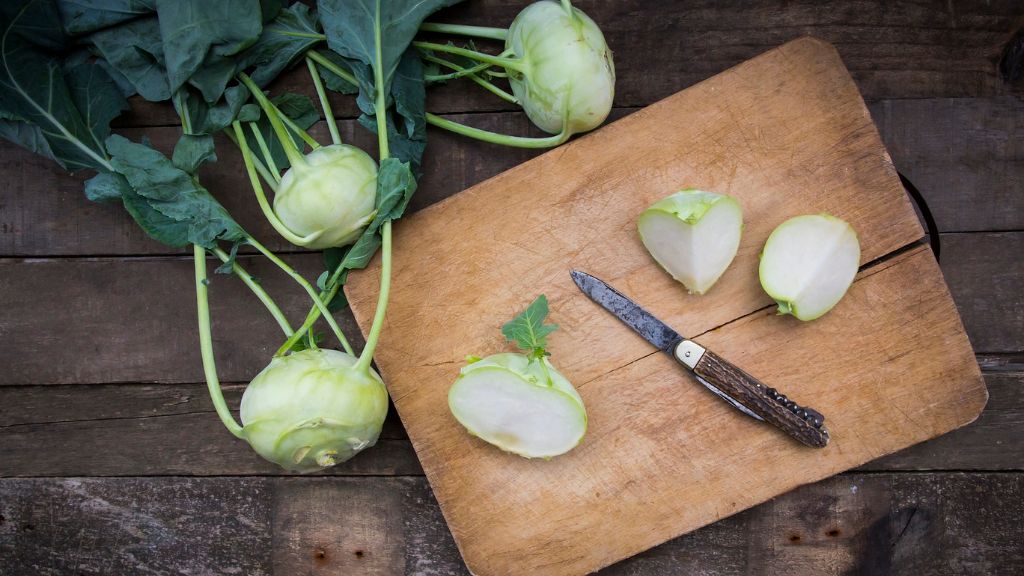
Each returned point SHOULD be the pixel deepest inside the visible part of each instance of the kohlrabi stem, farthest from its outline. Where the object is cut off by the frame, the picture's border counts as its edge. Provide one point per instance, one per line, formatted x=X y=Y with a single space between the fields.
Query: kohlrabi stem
x=460 y=72
x=258 y=290
x=206 y=344
x=265 y=150
x=567 y=5
x=307 y=287
x=324 y=102
x=261 y=197
x=307 y=324
x=267 y=176
x=472 y=76
x=495 y=138
x=298 y=130
x=380 y=111
x=503 y=61
x=332 y=67
x=290 y=150
x=382 y=299
x=461 y=30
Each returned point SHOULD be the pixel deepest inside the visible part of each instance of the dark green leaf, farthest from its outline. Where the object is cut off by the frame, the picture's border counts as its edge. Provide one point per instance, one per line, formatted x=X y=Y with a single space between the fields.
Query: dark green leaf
x=27 y=136
x=192 y=150
x=181 y=208
x=33 y=22
x=284 y=40
x=201 y=39
x=210 y=119
x=395 y=186
x=106 y=187
x=85 y=16
x=226 y=267
x=135 y=50
x=72 y=108
x=352 y=25
x=528 y=329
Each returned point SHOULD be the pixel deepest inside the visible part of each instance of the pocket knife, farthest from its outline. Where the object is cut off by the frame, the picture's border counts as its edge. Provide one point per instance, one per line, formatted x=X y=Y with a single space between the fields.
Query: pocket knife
x=741 y=390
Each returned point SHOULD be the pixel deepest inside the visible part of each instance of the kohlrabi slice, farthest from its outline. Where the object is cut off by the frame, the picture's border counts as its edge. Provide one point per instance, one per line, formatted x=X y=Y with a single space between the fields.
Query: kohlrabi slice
x=520 y=402
x=693 y=235
x=808 y=263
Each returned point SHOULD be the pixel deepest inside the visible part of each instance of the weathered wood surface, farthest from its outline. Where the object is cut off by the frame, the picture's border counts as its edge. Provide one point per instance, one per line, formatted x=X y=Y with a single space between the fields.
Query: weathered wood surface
x=168 y=429
x=963 y=154
x=894 y=50
x=928 y=71
x=926 y=523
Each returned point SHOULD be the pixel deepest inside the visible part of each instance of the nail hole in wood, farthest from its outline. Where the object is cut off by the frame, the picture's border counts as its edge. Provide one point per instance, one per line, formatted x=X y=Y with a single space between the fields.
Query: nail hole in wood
x=2 y=519
x=794 y=538
x=320 y=554
x=833 y=532
x=358 y=553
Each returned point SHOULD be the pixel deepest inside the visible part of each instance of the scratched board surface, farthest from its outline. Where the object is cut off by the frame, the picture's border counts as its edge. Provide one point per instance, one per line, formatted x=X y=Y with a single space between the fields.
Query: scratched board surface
x=785 y=133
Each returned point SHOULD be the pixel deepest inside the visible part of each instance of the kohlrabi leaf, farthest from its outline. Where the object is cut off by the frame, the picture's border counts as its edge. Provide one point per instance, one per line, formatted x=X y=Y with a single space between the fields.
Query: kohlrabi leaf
x=106 y=187
x=168 y=202
x=395 y=186
x=300 y=110
x=202 y=38
x=71 y=107
x=212 y=118
x=283 y=40
x=407 y=129
x=332 y=80
x=352 y=27
x=528 y=329
x=192 y=151
x=84 y=17
x=136 y=51
x=26 y=135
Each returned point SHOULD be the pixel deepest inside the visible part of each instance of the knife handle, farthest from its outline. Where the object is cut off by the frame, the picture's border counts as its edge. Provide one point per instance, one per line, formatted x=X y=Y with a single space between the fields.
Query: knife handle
x=802 y=423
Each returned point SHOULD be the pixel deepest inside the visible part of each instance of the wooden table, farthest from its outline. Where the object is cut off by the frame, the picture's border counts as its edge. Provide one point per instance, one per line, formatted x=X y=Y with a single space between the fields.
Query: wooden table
x=113 y=462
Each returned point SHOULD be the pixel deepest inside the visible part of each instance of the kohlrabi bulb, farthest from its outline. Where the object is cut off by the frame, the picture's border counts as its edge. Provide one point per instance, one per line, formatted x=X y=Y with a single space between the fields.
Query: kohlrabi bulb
x=334 y=194
x=567 y=74
x=520 y=404
x=311 y=409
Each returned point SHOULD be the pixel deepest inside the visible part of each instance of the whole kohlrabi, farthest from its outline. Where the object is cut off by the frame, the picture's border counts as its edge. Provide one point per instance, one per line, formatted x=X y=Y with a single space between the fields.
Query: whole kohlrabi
x=558 y=65
x=313 y=409
x=520 y=402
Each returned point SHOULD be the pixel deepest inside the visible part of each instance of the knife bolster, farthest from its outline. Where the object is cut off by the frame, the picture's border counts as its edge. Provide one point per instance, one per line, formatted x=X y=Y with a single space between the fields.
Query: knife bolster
x=689 y=352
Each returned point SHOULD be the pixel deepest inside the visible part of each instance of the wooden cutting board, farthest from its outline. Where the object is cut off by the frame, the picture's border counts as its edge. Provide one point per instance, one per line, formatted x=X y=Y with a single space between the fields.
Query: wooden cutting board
x=786 y=133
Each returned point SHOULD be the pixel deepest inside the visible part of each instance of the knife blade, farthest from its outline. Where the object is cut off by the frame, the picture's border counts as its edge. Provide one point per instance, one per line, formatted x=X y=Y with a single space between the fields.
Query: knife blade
x=741 y=390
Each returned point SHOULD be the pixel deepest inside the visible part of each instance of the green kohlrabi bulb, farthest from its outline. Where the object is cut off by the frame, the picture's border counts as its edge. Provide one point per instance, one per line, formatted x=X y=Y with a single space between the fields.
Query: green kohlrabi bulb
x=333 y=194
x=567 y=81
x=311 y=409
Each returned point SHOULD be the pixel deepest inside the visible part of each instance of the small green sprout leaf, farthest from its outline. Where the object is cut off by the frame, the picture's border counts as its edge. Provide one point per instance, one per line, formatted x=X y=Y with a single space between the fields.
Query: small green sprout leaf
x=528 y=329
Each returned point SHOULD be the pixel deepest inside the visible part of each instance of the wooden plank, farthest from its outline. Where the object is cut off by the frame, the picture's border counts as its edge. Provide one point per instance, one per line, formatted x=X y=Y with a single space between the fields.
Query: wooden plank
x=912 y=50
x=966 y=156
x=944 y=523
x=177 y=422
x=985 y=274
x=891 y=367
x=101 y=320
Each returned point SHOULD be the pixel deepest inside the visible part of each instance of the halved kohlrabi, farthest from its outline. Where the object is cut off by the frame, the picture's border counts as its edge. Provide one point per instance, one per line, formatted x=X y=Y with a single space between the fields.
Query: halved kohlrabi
x=522 y=405
x=808 y=263
x=693 y=235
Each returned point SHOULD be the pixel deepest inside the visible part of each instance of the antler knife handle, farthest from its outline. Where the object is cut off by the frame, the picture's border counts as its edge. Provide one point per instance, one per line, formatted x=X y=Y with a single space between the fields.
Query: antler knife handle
x=802 y=423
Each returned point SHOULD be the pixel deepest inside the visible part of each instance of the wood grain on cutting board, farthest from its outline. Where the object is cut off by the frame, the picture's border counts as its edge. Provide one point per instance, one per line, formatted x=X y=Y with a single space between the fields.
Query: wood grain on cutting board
x=786 y=134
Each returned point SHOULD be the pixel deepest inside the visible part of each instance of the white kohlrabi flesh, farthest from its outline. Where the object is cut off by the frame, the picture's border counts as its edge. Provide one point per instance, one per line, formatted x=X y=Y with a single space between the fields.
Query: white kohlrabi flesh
x=521 y=405
x=693 y=235
x=808 y=263
x=567 y=78
x=332 y=196
x=311 y=409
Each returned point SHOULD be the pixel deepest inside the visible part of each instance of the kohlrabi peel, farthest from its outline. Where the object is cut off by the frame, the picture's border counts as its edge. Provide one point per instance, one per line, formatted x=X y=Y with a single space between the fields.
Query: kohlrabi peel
x=565 y=81
x=693 y=235
x=520 y=402
x=330 y=197
x=808 y=264
x=313 y=409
